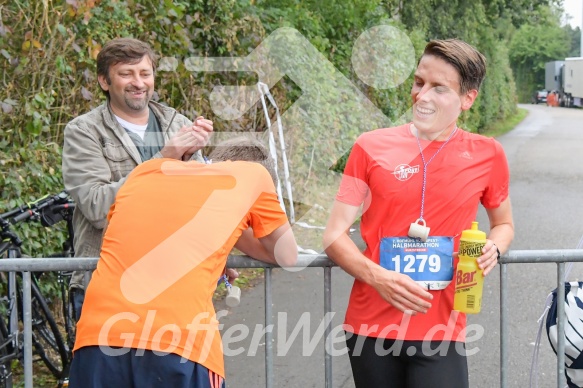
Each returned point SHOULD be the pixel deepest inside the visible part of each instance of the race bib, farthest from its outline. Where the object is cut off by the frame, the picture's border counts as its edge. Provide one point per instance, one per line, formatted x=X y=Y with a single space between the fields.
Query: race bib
x=429 y=263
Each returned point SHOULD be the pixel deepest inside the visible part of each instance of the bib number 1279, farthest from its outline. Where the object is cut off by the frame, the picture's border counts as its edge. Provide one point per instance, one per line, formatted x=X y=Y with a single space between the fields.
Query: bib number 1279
x=416 y=263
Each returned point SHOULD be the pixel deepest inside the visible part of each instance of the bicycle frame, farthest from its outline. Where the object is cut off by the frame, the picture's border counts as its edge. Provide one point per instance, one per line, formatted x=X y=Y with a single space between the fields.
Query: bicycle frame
x=63 y=278
x=10 y=338
x=40 y=329
x=11 y=344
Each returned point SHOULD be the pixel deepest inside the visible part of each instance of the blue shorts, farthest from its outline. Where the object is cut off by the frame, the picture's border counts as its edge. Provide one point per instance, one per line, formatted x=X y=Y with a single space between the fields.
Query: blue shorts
x=91 y=368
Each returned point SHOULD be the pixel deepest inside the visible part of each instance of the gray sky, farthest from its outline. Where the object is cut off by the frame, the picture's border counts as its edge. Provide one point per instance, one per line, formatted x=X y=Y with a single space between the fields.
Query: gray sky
x=574 y=8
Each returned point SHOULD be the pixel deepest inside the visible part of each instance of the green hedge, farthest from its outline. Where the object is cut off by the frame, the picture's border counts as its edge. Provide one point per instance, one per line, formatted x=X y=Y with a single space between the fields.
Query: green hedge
x=47 y=62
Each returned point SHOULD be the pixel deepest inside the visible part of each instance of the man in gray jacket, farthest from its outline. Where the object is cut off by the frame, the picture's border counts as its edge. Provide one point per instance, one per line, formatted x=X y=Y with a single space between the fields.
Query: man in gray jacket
x=104 y=145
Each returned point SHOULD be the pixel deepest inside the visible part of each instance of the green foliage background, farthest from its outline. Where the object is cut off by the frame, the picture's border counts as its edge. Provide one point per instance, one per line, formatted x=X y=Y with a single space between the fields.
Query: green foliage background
x=48 y=50
x=536 y=43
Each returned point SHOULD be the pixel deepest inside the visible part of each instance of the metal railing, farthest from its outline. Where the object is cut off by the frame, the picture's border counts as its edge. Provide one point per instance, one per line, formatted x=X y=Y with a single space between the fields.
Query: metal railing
x=559 y=256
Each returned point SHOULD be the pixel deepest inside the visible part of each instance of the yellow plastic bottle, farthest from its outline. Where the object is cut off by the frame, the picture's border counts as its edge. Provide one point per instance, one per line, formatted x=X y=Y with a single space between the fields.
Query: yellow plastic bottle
x=469 y=280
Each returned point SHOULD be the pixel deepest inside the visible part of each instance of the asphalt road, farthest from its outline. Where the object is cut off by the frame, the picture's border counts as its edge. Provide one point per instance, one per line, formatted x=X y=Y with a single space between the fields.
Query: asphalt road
x=545 y=153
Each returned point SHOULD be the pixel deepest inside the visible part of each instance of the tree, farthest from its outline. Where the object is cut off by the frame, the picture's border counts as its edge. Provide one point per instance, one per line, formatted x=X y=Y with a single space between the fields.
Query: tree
x=574 y=35
x=534 y=45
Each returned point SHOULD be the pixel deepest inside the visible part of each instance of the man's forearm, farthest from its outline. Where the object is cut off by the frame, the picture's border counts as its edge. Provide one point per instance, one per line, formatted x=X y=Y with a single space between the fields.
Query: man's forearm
x=344 y=252
x=94 y=201
x=502 y=235
x=252 y=247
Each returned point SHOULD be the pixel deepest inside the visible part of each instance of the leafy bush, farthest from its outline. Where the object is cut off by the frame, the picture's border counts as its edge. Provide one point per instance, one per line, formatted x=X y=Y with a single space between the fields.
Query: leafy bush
x=48 y=51
x=48 y=63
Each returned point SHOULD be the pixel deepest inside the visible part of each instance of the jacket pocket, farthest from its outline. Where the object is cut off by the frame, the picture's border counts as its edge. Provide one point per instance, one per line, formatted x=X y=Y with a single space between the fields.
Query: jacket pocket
x=119 y=160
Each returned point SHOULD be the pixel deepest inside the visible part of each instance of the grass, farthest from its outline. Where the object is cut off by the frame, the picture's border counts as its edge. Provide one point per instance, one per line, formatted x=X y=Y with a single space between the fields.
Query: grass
x=42 y=377
x=503 y=126
x=248 y=277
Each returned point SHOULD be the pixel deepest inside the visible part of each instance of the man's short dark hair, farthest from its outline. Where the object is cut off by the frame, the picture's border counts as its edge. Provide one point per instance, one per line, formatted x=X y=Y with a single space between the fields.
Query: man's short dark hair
x=123 y=50
x=243 y=148
x=467 y=60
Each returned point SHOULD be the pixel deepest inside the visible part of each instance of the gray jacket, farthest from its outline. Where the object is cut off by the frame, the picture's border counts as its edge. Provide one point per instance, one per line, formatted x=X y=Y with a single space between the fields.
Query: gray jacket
x=98 y=154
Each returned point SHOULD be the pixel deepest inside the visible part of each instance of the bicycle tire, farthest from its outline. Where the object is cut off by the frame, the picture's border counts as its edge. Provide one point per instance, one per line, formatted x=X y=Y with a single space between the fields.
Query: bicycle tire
x=46 y=338
x=69 y=321
x=5 y=357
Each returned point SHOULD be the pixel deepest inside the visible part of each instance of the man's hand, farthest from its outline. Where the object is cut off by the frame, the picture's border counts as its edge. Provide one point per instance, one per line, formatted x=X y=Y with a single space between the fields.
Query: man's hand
x=395 y=288
x=232 y=274
x=489 y=258
x=202 y=130
x=188 y=140
x=402 y=292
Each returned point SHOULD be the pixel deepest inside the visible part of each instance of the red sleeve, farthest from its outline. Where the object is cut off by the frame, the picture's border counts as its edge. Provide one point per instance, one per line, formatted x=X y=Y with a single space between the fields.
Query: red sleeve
x=497 y=190
x=354 y=187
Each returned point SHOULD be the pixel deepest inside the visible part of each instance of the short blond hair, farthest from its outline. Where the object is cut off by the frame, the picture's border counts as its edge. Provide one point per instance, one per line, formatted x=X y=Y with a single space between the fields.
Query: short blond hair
x=467 y=60
x=243 y=148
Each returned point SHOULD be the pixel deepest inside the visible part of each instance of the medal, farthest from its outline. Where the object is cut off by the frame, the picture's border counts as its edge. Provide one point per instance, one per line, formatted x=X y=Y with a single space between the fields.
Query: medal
x=419 y=228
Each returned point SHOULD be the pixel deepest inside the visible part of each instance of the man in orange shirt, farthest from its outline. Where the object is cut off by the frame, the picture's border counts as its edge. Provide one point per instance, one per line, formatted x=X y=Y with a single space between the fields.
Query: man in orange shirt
x=148 y=317
x=551 y=98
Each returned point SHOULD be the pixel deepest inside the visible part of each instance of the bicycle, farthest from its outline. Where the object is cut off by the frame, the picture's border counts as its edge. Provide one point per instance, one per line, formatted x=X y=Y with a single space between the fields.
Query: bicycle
x=48 y=342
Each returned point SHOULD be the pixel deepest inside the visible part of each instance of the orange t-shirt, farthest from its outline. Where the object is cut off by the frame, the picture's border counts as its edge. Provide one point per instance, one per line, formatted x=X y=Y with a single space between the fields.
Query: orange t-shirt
x=170 y=231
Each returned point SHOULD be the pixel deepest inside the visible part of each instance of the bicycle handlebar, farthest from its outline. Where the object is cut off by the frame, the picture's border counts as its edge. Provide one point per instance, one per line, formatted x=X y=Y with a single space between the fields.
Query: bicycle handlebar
x=22 y=216
x=25 y=212
x=68 y=205
x=54 y=214
x=9 y=214
x=48 y=210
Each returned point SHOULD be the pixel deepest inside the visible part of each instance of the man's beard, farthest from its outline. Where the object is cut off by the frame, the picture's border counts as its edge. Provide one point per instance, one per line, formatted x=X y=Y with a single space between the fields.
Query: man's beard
x=138 y=105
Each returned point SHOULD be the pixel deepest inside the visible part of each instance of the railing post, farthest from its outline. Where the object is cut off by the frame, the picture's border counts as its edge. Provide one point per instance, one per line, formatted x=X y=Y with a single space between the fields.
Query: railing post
x=561 y=324
x=503 y=324
x=328 y=329
x=27 y=318
x=13 y=326
x=268 y=333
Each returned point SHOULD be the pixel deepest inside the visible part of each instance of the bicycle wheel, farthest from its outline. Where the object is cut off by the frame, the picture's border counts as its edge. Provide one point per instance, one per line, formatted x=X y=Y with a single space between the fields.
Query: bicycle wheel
x=6 y=357
x=46 y=338
x=69 y=321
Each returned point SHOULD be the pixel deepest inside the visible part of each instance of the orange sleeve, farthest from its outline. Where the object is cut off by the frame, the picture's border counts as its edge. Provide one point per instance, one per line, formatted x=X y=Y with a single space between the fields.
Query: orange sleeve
x=266 y=214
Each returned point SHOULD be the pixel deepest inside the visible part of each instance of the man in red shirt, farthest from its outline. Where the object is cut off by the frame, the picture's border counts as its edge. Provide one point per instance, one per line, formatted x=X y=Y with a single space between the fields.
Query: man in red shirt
x=148 y=317
x=428 y=175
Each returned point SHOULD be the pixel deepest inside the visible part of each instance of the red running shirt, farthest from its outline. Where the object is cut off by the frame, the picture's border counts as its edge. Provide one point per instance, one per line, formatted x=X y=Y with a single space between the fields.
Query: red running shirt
x=384 y=173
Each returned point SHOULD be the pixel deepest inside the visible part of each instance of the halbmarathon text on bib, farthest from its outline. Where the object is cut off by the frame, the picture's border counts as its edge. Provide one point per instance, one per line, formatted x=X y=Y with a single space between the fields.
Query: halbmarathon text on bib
x=429 y=263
